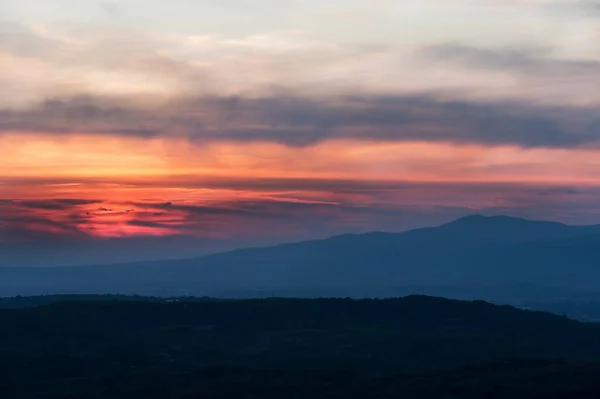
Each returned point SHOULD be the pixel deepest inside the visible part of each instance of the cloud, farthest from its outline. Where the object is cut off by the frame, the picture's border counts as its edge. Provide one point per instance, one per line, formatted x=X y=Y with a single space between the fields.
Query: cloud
x=531 y=61
x=296 y=186
x=291 y=209
x=45 y=62
x=55 y=204
x=302 y=121
x=246 y=208
x=17 y=227
x=111 y=8
x=577 y=7
x=148 y=223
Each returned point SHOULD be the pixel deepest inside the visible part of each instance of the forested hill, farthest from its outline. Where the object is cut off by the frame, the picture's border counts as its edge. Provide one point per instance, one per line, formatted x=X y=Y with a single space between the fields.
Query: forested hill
x=18 y=302
x=74 y=346
x=415 y=332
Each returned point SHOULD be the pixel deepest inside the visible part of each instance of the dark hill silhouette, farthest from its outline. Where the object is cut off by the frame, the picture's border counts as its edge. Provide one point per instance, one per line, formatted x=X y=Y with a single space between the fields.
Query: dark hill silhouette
x=471 y=250
x=304 y=330
x=325 y=348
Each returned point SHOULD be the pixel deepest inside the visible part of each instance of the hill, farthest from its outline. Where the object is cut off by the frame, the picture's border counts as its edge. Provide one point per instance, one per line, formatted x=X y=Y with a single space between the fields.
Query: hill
x=208 y=348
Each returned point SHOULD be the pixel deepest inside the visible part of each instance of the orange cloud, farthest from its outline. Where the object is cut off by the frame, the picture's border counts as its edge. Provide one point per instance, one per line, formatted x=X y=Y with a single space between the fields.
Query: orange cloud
x=111 y=186
x=160 y=159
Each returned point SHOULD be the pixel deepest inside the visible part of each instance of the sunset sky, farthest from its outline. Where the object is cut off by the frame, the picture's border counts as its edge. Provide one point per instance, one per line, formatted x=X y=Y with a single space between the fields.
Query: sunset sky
x=210 y=124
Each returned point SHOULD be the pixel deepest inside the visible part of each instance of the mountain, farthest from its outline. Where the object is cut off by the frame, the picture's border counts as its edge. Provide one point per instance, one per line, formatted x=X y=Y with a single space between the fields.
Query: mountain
x=413 y=347
x=472 y=250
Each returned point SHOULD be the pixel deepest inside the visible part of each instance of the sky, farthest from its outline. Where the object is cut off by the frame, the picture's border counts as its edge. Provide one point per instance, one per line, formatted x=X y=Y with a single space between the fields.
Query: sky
x=140 y=129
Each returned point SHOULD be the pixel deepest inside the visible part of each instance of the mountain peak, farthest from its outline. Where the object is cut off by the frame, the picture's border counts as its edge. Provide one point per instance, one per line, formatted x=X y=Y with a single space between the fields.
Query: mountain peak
x=506 y=228
x=479 y=220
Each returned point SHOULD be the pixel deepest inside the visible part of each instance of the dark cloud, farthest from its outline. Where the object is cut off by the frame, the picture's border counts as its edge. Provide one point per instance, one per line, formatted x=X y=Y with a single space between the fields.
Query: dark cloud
x=559 y=191
x=46 y=220
x=54 y=204
x=533 y=61
x=256 y=208
x=78 y=114
x=148 y=223
x=298 y=121
x=17 y=226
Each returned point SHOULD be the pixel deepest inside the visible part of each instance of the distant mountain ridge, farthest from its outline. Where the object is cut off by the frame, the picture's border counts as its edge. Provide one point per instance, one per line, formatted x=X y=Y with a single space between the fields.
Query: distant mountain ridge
x=473 y=249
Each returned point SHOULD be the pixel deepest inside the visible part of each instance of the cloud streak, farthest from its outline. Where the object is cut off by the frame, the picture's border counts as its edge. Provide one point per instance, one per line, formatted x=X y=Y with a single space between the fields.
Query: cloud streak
x=298 y=121
x=289 y=208
x=55 y=204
